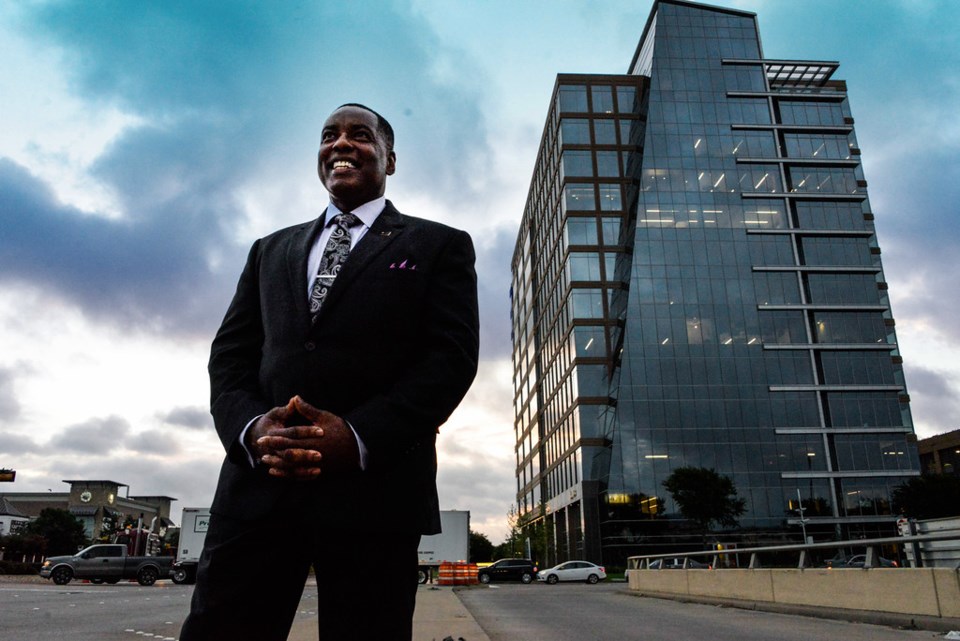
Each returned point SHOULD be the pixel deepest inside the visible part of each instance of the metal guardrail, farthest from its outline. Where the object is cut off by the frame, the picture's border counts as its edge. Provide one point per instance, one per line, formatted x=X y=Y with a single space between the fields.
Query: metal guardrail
x=872 y=557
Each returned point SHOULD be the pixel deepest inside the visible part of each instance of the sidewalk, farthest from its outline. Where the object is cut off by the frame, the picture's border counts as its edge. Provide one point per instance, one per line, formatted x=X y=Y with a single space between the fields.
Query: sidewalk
x=439 y=615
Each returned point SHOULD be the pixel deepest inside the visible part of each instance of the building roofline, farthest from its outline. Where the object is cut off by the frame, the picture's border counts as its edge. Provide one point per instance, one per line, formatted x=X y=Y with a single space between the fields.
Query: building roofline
x=683 y=3
x=72 y=481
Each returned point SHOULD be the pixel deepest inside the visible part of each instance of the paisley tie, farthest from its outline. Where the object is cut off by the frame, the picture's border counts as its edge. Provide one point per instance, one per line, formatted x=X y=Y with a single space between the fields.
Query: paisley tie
x=334 y=256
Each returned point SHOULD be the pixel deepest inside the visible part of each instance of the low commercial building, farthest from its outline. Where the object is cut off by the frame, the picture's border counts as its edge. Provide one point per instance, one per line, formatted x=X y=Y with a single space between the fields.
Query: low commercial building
x=940 y=454
x=97 y=503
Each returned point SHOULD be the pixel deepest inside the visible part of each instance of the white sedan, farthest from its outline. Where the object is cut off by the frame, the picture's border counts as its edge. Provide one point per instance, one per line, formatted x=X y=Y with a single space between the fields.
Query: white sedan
x=573 y=571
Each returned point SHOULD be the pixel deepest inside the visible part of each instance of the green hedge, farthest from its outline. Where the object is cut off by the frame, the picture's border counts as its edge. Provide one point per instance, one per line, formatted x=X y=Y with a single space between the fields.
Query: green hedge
x=11 y=567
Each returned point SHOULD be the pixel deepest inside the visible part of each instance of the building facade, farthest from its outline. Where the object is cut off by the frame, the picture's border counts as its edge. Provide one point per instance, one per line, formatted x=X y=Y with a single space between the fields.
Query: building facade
x=940 y=454
x=697 y=282
x=98 y=504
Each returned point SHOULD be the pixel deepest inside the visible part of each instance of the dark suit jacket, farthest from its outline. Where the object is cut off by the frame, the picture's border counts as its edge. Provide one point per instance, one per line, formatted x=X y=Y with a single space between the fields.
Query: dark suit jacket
x=393 y=352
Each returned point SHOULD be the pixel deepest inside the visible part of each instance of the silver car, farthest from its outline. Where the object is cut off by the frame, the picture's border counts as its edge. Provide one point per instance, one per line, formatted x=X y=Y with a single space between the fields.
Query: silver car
x=573 y=571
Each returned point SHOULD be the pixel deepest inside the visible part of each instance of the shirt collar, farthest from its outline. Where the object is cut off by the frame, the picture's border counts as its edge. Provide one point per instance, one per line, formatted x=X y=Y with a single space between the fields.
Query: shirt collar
x=367 y=212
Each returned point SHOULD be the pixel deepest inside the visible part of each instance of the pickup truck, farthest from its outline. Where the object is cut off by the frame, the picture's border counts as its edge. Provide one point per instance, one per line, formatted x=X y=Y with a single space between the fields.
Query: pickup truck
x=106 y=563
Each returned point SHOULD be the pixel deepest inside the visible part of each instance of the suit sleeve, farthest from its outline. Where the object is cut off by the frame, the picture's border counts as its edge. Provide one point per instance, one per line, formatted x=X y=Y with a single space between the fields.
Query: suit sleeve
x=234 y=364
x=408 y=414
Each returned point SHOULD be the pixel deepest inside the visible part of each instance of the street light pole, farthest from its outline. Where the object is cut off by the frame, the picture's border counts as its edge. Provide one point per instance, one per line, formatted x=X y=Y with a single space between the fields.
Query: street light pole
x=803 y=521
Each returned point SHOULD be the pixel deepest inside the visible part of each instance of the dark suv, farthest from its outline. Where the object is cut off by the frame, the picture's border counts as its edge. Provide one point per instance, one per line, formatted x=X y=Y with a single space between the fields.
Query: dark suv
x=522 y=570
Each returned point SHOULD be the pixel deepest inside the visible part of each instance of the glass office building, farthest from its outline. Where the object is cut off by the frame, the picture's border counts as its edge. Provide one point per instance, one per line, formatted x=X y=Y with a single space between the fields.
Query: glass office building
x=697 y=282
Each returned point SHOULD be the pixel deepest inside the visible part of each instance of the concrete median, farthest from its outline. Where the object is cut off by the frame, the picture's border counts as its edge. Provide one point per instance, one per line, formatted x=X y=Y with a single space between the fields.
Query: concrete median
x=932 y=593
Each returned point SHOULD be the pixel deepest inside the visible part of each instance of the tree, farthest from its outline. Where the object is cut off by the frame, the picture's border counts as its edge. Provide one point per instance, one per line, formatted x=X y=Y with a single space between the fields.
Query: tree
x=705 y=497
x=928 y=497
x=62 y=531
x=481 y=549
x=523 y=528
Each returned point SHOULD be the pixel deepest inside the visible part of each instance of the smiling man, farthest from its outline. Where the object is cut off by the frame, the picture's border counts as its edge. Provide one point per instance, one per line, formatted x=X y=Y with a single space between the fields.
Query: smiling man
x=349 y=341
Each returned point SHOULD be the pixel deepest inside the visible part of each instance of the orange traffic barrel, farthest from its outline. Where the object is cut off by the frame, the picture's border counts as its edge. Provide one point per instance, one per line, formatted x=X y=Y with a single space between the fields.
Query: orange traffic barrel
x=465 y=574
x=447 y=574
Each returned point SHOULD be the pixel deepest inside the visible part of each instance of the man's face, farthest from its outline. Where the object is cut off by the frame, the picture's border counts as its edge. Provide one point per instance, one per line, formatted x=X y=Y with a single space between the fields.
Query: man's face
x=353 y=162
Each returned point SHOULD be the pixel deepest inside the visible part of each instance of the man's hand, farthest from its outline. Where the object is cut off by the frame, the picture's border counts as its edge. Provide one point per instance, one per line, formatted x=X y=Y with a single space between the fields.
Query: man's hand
x=325 y=445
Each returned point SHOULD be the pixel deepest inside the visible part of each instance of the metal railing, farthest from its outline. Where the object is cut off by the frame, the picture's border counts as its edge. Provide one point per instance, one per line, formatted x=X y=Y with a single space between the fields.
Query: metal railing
x=872 y=559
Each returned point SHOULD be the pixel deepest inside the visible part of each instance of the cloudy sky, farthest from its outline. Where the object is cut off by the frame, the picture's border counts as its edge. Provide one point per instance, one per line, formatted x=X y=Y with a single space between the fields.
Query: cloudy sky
x=144 y=146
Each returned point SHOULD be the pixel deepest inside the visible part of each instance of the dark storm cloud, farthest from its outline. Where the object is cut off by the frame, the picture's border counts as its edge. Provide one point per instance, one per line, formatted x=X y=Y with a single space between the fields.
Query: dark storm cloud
x=224 y=92
x=268 y=66
x=493 y=279
x=98 y=436
x=919 y=234
x=150 y=272
x=13 y=444
x=935 y=399
x=194 y=418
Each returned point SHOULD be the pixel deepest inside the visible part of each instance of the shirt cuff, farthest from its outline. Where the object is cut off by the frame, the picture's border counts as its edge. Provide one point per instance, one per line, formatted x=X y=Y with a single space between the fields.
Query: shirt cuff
x=243 y=440
x=360 y=446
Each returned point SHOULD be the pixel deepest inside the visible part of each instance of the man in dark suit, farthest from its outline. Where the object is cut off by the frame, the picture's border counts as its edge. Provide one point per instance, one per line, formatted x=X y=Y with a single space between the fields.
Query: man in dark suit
x=349 y=341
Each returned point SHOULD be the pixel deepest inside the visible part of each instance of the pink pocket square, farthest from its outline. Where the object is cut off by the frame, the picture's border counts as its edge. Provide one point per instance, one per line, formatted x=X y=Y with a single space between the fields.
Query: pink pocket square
x=402 y=265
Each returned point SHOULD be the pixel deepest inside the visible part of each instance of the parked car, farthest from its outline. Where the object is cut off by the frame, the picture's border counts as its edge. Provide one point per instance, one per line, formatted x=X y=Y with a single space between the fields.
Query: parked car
x=573 y=571
x=522 y=570
x=677 y=564
x=858 y=561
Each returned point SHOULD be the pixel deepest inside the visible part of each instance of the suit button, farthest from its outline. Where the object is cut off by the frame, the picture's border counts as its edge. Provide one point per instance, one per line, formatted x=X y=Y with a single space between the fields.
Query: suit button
x=309 y=346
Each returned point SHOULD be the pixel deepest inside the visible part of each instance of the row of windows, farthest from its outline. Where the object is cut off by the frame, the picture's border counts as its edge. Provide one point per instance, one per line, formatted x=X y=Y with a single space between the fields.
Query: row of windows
x=591 y=231
x=590 y=197
x=787 y=327
x=574 y=98
x=576 y=131
x=734 y=111
x=742 y=179
x=872 y=452
x=857 y=497
x=720 y=142
x=811 y=145
x=714 y=142
x=824 y=250
x=824 y=180
x=831 y=215
x=811 y=113
x=580 y=164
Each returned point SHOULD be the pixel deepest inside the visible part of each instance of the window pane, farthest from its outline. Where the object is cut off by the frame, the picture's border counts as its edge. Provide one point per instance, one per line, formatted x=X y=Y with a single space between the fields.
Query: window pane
x=577 y=163
x=602 y=100
x=610 y=198
x=605 y=131
x=626 y=99
x=574 y=131
x=581 y=231
x=611 y=231
x=578 y=197
x=608 y=165
x=573 y=98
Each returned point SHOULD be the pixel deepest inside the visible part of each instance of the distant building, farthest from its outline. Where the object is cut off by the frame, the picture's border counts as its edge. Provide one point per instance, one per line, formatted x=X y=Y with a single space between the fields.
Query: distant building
x=940 y=454
x=11 y=519
x=697 y=282
x=97 y=504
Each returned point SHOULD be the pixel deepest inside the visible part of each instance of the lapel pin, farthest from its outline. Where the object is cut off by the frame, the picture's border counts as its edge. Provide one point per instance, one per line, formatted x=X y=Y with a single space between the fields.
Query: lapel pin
x=385 y=233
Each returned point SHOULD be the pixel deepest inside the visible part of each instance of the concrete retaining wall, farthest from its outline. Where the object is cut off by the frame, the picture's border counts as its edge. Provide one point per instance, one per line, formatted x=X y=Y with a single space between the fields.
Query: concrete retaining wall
x=928 y=592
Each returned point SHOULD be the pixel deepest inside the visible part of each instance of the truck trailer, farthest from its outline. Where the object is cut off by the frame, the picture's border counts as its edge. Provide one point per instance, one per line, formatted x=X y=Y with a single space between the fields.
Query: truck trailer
x=451 y=545
x=193 y=530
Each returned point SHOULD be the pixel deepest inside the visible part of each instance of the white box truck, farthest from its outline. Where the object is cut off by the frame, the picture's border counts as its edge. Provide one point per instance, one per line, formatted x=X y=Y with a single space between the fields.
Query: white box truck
x=193 y=530
x=451 y=545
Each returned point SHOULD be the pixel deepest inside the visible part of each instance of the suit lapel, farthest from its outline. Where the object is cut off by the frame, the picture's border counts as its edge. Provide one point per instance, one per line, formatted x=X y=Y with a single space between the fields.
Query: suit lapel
x=386 y=229
x=298 y=253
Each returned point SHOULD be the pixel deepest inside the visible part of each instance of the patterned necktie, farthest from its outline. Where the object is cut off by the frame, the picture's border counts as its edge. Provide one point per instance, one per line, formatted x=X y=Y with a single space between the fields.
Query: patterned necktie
x=334 y=256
